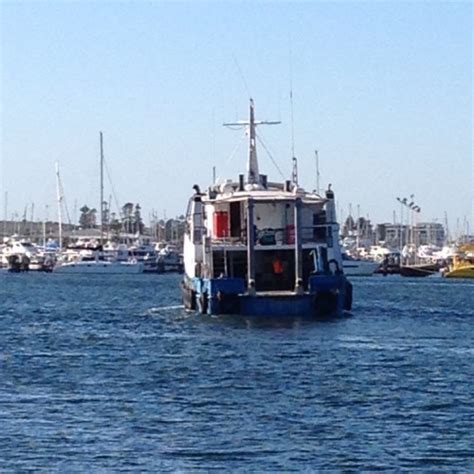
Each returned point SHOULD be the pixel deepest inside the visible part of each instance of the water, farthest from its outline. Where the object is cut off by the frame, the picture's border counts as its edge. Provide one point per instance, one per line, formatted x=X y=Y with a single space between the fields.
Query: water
x=108 y=374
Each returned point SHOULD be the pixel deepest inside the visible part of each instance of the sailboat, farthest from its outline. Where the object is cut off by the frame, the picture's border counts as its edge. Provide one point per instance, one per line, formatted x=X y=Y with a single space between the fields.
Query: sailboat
x=87 y=259
x=259 y=248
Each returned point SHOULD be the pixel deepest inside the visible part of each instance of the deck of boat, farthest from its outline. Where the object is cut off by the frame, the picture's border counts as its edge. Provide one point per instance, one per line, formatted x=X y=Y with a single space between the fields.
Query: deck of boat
x=277 y=293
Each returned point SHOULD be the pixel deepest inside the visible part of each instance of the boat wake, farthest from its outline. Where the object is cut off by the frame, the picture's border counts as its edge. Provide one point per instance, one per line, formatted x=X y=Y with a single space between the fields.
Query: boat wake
x=164 y=308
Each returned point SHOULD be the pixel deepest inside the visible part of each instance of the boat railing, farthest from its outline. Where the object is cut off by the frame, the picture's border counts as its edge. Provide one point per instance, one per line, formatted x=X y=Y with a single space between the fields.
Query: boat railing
x=318 y=233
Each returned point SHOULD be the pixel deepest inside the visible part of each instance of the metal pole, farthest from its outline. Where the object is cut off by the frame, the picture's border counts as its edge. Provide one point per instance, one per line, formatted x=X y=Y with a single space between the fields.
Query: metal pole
x=401 y=226
x=60 y=215
x=250 y=248
x=5 y=215
x=298 y=248
x=101 y=188
x=358 y=229
x=46 y=216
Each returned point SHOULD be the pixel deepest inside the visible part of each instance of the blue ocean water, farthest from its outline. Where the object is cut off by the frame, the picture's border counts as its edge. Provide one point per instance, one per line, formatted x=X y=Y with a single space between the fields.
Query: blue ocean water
x=109 y=374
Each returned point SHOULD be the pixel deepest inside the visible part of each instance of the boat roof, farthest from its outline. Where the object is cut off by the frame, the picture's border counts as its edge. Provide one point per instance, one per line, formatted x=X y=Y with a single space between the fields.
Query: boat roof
x=266 y=195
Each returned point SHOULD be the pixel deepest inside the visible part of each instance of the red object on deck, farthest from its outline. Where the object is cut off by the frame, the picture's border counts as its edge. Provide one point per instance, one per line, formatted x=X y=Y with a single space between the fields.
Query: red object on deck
x=290 y=234
x=221 y=224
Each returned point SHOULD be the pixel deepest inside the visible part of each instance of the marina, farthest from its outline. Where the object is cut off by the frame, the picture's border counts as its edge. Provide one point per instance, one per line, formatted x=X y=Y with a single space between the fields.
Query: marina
x=195 y=281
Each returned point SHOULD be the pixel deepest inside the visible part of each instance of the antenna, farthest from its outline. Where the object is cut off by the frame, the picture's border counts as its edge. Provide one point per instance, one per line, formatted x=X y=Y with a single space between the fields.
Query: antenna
x=294 y=174
x=291 y=104
x=241 y=75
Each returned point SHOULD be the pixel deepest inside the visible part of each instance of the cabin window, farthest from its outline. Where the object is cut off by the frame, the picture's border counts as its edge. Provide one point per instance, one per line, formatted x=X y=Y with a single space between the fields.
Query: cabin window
x=319 y=226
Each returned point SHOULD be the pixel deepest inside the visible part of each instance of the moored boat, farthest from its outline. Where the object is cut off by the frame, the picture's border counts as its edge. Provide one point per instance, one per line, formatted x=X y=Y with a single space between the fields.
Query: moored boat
x=419 y=270
x=462 y=265
x=93 y=260
x=258 y=248
x=99 y=266
x=358 y=267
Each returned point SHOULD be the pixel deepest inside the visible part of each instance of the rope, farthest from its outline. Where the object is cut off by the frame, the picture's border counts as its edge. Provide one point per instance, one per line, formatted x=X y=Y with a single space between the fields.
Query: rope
x=270 y=155
x=234 y=151
x=113 y=189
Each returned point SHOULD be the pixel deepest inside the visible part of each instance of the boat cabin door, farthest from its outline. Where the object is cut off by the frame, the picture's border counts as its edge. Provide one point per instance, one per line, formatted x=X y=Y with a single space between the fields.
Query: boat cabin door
x=235 y=219
x=320 y=259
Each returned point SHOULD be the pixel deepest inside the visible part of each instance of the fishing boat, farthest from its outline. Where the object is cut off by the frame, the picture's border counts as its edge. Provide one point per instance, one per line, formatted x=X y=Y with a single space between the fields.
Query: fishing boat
x=260 y=248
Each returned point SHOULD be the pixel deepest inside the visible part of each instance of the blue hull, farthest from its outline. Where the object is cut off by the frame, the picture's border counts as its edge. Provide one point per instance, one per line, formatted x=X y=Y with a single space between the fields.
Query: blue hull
x=326 y=295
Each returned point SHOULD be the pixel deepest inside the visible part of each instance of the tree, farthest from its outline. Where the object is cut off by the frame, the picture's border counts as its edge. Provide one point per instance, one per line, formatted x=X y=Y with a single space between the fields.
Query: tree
x=115 y=225
x=87 y=219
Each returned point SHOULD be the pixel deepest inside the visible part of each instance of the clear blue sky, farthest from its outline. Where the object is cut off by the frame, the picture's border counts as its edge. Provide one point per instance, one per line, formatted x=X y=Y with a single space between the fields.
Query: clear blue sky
x=383 y=91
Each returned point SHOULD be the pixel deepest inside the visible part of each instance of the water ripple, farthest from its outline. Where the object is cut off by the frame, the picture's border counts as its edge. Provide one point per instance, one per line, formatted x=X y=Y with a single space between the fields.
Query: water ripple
x=116 y=376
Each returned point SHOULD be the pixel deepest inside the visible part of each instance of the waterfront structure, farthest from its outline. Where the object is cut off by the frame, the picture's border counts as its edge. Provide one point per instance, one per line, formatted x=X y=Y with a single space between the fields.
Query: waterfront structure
x=429 y=233
x=397 y=236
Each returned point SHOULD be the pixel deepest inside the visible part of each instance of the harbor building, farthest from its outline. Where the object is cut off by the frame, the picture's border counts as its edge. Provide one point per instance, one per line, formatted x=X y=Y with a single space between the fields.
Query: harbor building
x=429 y=233
x=424 y=233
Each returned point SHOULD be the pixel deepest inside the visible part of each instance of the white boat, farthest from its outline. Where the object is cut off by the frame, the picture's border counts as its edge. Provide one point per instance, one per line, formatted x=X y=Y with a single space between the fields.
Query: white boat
x=358 y=267
x=20 y=255
x=77 y=260
x=260 y=248
x=169 y=259
x=146 y=254
x=102 y=267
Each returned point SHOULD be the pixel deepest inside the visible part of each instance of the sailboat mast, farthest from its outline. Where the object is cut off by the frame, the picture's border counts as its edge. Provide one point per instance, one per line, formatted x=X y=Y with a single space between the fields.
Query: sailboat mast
x=358 y=228
x=101 y=187
x=5 y=214
x=60 y=216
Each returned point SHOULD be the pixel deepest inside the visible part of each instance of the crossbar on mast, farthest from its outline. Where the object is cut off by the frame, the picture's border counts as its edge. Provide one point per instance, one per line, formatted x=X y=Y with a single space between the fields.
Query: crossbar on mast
x=253 y=175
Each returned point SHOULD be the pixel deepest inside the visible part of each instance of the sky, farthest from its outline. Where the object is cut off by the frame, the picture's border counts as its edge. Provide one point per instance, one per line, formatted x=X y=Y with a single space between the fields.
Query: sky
x=382 y=90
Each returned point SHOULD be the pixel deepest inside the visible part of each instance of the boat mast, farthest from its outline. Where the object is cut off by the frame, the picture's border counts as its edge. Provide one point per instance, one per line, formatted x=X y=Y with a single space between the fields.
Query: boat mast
x=358 y=228
x=101 y=188
x=44 y=225
x=5 y=214
x=60 y=198
x=253 y=175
